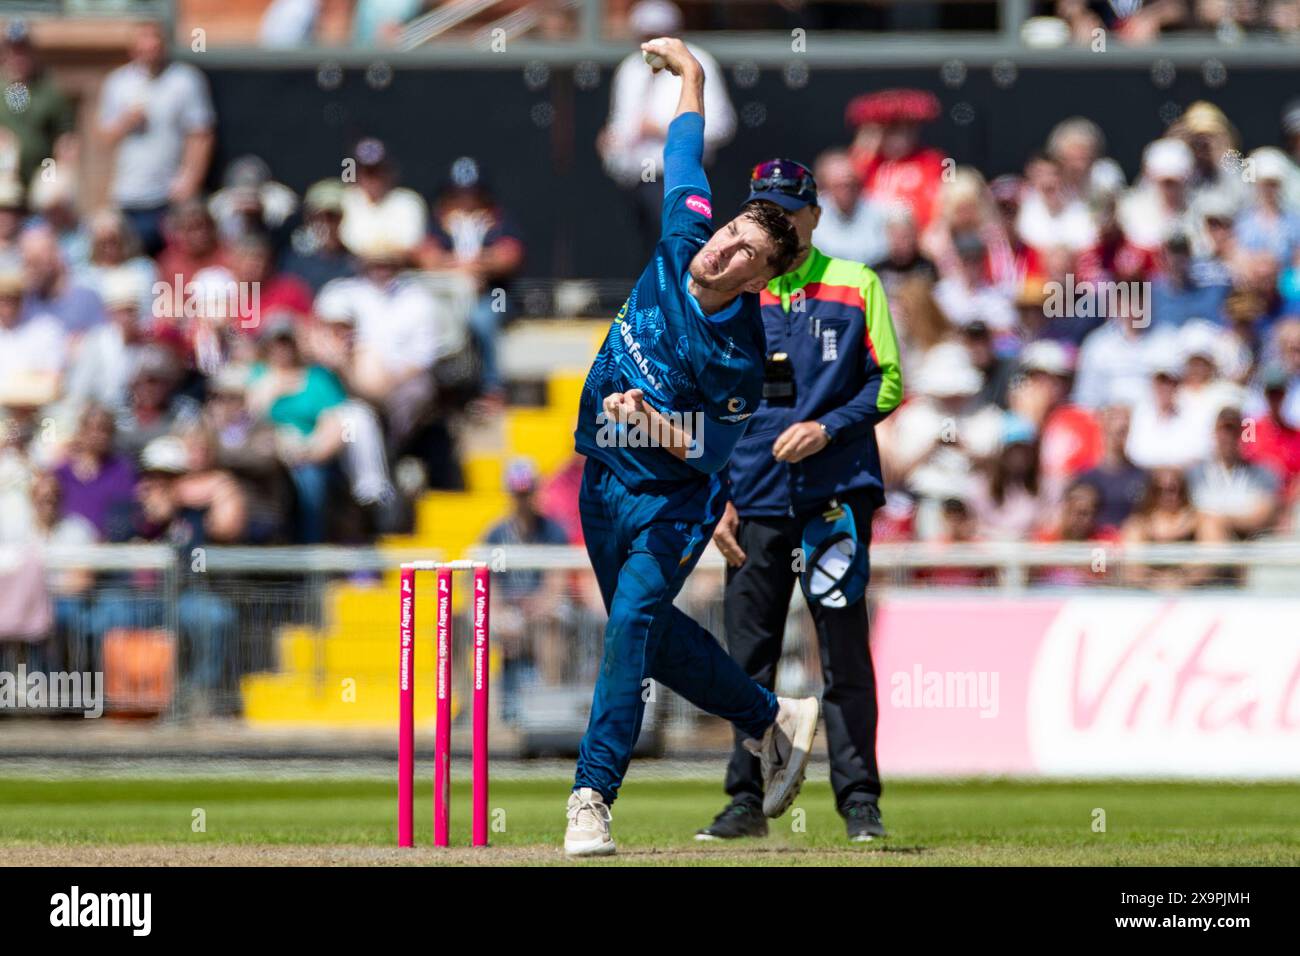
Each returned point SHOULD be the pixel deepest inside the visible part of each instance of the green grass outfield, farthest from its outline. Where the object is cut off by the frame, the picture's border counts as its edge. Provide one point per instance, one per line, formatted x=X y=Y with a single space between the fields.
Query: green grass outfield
x=341 y=820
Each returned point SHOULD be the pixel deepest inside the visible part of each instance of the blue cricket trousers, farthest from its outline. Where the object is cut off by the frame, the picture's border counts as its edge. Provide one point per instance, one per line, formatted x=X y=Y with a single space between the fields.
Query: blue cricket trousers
x=642 y=547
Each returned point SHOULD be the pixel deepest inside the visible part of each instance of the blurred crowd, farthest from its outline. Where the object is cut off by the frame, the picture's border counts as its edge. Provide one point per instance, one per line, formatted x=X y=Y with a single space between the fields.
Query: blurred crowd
x=1085 y=359
x=386 y=23
x=245 y=366
x=253 y=366
x=1143 y=21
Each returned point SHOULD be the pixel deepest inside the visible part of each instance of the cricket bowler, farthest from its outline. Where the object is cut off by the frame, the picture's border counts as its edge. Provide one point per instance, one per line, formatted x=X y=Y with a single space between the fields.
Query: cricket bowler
x=805 y=481
x=666 y=400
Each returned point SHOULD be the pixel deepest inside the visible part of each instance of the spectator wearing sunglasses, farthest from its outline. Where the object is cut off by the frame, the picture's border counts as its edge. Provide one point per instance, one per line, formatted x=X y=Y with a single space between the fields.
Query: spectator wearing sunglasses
x=832 y=374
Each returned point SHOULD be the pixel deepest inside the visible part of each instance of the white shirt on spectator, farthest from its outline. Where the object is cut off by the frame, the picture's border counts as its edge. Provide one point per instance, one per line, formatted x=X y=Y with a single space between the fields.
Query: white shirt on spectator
x=1040 y=228
x=1157 y=440
x=37 y=344
x=947 y=468
x=399 y=219
x=403 y=323
x=858 y=236
x=1115 y=369
x=177 y=104
x=101 y=372
x=1147 y=223
x=640 y=94
x=1232 y=491
x=964 y=305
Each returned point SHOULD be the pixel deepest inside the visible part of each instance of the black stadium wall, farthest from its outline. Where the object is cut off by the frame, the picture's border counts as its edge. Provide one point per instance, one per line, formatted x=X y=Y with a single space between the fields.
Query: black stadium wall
x=535 y=142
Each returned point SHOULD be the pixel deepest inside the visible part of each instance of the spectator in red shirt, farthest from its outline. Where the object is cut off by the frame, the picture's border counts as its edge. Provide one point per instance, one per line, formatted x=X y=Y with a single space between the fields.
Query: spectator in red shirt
x=1276 y=443
x=192 y=244
x=1114 y=258
x=1077 y=520
x=251 y=264
x=887 y=150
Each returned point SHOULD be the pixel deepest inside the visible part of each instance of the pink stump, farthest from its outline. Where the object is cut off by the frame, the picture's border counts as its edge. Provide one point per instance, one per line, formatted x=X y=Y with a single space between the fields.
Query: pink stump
x=406 y=712
x=442 y=732
x=482 y=596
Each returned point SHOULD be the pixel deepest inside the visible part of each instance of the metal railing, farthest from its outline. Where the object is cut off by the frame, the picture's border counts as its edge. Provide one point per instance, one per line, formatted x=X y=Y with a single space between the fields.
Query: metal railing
x=226 y=619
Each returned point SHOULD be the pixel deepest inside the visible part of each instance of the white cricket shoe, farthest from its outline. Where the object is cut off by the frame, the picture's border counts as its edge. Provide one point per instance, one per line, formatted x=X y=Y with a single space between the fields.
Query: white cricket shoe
x=784 y=751
x=588 y=830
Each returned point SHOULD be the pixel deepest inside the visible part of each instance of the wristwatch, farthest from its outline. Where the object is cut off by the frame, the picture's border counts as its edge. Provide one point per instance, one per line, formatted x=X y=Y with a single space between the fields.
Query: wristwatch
x=830 y=436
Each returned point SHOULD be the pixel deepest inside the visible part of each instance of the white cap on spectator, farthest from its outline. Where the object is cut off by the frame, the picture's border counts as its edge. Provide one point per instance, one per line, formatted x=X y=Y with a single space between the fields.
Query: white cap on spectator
x=1270 y=164
x=1168 y=364
x=1216 y=204
x=46 y=193
x=1203 y=338
x=334 y=303
x=167 y=454
x=120 y=288
x=655 y=18
x=899 y=213
x=1046 y=355
x=948 y=372
x=1167 y=159
x=11 y=193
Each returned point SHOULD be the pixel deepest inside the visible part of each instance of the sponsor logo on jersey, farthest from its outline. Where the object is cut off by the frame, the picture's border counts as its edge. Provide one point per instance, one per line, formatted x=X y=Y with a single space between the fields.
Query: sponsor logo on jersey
x=701 y=205
x=736 y=406
x=830 y=345
x=635 y=353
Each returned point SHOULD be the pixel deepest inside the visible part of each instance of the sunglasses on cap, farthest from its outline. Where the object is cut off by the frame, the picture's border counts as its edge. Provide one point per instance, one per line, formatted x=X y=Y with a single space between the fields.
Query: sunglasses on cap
x=783 y=177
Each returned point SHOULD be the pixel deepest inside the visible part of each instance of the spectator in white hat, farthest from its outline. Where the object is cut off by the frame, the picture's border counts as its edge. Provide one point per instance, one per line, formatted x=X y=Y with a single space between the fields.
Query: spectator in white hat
x=1205 y=352
x=108 y=354
x=936 y=443
x=114 y=249
x=1166 y=431
x=316 y=251
x=32 y=347
x=1268 y=225
x=1214 y=244
x=1243 y=496
x=1159 y=206
x=1051 y=213
x=1114 y=361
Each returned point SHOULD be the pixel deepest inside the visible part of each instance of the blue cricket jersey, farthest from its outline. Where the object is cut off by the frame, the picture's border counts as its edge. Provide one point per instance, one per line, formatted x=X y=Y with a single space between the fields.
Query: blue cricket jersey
x=708 y=369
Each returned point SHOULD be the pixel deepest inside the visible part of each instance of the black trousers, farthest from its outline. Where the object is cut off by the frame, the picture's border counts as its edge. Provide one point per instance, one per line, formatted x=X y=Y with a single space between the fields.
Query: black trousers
x=756 y=605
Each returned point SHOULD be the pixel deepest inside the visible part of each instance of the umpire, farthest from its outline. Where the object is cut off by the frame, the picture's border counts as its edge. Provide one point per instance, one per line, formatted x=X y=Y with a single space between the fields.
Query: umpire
x=805 y=481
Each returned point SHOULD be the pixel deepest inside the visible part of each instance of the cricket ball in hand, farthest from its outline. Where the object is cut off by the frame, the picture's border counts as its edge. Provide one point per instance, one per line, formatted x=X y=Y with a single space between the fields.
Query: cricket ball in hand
x=656 y=61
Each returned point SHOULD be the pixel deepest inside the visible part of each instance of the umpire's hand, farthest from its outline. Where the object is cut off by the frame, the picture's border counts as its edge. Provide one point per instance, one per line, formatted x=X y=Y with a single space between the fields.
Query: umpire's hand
x=799 y=441
x=724 y=536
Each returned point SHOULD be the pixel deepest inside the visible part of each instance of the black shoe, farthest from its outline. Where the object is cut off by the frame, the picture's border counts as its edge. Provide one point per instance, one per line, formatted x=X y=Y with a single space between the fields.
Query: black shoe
x=736 y=820
x=863 y=822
